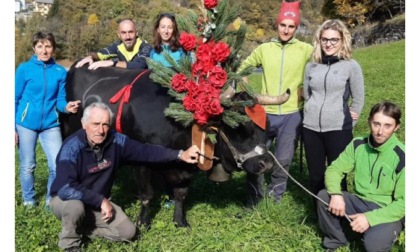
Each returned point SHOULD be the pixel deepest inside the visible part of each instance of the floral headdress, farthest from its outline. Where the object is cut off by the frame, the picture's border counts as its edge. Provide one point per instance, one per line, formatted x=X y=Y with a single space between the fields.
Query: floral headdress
x=209 y=69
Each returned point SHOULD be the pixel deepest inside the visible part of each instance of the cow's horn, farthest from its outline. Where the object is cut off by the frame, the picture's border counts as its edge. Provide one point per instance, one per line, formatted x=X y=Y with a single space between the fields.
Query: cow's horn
x=273 y=100
x=227 y=94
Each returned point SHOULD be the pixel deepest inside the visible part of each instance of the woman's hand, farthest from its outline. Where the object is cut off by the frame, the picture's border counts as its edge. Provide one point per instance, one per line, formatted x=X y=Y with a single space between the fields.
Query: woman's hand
x=72 y=106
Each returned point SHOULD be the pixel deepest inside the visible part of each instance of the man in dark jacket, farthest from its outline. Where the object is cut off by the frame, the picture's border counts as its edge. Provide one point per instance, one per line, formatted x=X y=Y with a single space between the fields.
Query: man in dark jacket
x=86 y=167
x=128 y=52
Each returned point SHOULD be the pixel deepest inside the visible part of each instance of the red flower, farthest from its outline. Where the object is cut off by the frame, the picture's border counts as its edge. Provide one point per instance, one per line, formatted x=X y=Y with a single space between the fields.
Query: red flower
x=198 y=68
x=188 y=41
x=189 y=103
x=203 y=52
x=178 y=82
x=220 y=51
x=210 y=4
x=213 y=107
x=217 y=77
x=201 y=117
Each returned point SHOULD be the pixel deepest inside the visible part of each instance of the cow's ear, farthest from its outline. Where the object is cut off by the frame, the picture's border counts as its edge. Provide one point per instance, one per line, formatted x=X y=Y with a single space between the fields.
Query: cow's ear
x=257 y=115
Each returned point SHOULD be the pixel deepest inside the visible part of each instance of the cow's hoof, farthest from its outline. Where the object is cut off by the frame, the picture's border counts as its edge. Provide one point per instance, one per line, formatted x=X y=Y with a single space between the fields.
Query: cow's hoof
x=183 y=224
x=145 y=225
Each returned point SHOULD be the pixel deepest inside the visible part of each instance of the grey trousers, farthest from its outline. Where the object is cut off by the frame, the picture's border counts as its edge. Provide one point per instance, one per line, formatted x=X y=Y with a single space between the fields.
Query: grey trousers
x=285 y=129
x=78 y=219
x=378 y=238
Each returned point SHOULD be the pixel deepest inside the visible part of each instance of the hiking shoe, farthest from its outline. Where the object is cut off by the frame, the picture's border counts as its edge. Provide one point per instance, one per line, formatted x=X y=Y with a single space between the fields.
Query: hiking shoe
x=29 y=204
x=170 y=203
x=73 y=249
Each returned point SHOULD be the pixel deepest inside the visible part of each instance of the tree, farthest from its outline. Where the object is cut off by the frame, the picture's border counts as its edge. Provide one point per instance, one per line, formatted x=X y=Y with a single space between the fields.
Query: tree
x=353 y=11
x=357 y=12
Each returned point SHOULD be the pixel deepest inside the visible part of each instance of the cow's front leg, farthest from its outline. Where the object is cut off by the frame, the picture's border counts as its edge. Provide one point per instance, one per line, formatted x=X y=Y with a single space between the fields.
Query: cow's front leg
x=144 y=218
x=180 y=220
x=255 y=187
x=143 y=177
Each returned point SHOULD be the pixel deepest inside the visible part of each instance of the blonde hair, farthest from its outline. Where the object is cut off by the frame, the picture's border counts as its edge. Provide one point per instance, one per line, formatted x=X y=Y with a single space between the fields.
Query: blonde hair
x=337 y=25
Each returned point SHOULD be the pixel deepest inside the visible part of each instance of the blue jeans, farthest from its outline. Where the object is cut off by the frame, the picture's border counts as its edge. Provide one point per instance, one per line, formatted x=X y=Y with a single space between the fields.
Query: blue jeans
x=51 y=141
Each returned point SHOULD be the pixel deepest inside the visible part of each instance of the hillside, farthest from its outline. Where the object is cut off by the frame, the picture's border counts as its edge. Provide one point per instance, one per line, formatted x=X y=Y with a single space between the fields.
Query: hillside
x=83 y=26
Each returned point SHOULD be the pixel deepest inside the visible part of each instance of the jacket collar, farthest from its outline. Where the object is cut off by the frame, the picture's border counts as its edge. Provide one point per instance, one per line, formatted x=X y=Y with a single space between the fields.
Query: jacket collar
x=390 y=143
x=35 y=60
x=81 y=135
x=291 y=41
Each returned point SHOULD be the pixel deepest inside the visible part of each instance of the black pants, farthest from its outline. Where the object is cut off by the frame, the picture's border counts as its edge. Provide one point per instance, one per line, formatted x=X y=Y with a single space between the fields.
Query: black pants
x=321 y=149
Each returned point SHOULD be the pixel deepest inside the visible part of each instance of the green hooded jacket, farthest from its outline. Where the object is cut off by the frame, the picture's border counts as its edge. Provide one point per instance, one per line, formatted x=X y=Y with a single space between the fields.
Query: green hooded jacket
x=283 y=67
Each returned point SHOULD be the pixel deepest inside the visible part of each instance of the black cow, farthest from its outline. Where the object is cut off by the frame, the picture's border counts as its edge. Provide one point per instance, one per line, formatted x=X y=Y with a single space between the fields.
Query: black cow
x=143 y=119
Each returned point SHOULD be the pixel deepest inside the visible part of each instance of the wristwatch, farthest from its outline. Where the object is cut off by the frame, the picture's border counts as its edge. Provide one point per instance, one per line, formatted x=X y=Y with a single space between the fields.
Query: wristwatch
x=179 y=155
x=115 y=61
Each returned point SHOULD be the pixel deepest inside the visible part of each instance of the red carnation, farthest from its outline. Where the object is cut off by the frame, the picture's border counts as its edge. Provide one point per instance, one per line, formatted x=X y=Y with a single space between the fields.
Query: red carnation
x=189 y=103
x=210 y=4
x=220 y=51
x=214 y=107
x=178 y=82
x=204 y=50
x=188 y=41
x=217 y=77
x=201 y=116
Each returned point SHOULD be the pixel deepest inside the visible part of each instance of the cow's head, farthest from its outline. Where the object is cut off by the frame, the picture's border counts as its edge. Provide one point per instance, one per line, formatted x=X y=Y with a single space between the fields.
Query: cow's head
x=243 y=147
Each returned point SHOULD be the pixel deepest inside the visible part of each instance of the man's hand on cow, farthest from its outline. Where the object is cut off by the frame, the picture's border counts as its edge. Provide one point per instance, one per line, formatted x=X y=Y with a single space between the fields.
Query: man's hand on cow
x=72 y=106
x=190 y=155
x=107 y=210
x=87 y=59
x=101 y=63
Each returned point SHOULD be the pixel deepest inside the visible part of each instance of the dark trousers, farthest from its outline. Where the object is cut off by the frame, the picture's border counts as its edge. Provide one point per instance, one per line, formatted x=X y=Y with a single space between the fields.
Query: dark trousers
x=321 y=149
x=377 y=238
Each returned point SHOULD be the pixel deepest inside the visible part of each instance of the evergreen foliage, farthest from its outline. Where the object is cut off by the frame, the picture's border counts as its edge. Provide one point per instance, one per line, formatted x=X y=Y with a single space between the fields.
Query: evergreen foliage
x=213 y=25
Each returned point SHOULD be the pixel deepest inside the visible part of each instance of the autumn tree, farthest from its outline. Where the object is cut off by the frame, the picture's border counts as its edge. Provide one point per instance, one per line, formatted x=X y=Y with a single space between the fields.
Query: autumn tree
x=357 y=12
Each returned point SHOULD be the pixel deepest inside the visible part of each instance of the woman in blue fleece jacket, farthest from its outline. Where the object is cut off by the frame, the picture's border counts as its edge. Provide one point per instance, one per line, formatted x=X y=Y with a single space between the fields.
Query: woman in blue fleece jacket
x=39 y=96
x=166 y=39
x=334 y=96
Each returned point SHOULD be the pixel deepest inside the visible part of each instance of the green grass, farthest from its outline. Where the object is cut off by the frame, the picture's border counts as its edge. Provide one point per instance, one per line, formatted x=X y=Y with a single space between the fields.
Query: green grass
x=218 y=219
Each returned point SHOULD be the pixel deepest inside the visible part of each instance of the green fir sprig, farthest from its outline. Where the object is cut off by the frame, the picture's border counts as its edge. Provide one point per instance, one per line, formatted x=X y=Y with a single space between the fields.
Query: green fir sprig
x=216 y=25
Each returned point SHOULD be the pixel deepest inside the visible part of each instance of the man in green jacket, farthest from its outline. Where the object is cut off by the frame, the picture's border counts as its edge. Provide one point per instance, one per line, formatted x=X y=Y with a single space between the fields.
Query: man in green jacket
x=377 y=207
x=283 y=61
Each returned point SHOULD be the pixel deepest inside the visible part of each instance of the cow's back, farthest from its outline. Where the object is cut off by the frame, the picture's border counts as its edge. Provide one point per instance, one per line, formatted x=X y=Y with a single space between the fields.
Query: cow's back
x=142 y=118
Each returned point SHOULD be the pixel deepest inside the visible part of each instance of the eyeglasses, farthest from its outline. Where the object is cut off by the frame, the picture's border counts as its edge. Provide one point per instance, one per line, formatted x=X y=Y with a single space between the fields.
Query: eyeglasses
x=333 y=41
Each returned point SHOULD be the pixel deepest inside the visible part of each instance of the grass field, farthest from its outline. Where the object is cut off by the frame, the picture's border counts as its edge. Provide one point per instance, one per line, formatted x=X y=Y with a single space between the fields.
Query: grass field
x=218 y=219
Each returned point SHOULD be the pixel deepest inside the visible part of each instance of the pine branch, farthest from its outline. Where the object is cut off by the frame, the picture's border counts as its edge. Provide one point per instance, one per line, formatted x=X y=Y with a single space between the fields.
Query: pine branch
x=160 y=74
x=176 y=95
x=177 y=111
x=226 y=14
x=188 y=23
x=233 y=118
x=185 y=65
